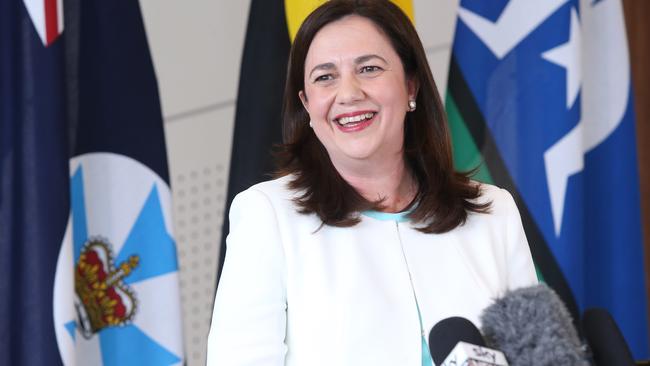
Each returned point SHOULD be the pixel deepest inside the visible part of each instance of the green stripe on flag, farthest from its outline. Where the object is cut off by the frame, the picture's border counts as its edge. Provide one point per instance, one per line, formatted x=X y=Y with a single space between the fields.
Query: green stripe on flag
x=467 y=157
x=466 y=154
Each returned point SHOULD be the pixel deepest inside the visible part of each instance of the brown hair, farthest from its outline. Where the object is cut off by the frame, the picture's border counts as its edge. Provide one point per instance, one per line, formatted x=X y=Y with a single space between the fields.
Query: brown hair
x=444 y=196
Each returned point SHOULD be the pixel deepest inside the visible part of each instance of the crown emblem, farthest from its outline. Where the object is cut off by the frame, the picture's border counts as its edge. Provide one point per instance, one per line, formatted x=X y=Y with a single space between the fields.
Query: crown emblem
x=102 y=298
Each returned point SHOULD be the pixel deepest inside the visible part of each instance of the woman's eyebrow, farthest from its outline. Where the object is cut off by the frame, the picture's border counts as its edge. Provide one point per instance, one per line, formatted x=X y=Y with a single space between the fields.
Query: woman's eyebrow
x=364 y=58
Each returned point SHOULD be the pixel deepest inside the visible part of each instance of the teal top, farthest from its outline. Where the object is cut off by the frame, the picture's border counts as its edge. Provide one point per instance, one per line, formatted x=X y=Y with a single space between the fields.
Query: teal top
x=426 y=356
x=402 y=217
x=388 y=216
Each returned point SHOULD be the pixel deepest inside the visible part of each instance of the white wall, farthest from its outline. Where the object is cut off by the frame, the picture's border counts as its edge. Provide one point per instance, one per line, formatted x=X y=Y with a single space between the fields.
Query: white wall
x=197 y=47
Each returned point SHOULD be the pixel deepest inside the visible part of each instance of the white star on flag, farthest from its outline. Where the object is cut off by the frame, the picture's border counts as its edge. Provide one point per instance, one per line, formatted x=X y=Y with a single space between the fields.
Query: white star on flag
x=567 y=55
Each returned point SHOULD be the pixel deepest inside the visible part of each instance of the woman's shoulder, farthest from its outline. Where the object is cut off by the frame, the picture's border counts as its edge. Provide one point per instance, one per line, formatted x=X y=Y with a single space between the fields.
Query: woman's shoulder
x=500 y=200
x=272 y=202
x=274 y=186
x=274 y=193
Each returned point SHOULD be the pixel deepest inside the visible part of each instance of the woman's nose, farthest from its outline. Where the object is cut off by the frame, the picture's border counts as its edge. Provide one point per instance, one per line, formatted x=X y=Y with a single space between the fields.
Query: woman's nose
x=349 y=90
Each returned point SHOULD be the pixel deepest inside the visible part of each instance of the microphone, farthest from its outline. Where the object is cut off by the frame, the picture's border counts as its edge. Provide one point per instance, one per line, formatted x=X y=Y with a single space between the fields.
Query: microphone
x=456 y=341
x=605 y=339
x=532 y=326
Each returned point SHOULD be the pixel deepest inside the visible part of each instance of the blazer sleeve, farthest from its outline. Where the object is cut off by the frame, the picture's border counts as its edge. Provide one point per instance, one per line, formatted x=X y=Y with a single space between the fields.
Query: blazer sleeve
x=521 y=269
x=249 y=316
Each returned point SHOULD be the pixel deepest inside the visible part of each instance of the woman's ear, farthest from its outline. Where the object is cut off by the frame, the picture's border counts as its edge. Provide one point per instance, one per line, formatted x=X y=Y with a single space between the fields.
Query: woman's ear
x=412 y=88
x=303 y=99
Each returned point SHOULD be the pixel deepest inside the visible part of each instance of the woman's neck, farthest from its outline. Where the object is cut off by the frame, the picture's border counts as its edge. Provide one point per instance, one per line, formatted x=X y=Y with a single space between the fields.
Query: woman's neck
x=392 y=182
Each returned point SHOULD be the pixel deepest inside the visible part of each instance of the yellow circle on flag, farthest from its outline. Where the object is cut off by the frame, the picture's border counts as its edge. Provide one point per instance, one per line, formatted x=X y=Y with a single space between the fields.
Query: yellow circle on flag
x=297 y=10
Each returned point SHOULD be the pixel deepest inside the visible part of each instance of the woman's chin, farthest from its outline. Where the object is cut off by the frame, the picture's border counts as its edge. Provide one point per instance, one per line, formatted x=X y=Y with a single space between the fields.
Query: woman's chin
x=356 y=156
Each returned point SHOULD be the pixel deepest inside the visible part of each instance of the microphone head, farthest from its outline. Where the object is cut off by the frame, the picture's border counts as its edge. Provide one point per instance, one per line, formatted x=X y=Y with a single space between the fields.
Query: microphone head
x=608 y=346
x=448 y=332
x=532 y=326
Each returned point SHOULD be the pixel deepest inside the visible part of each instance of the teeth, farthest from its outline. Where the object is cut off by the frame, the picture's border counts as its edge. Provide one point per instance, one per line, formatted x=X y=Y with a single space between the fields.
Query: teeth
x=357 y=118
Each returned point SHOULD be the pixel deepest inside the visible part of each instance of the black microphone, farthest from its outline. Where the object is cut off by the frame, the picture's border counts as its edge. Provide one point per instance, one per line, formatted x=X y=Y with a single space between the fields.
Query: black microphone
x=605 y=339
x=456 y=341
x=532 y=326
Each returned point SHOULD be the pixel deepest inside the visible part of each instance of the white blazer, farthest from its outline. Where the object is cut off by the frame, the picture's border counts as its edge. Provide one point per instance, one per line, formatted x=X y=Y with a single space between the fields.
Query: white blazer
x=291 y=294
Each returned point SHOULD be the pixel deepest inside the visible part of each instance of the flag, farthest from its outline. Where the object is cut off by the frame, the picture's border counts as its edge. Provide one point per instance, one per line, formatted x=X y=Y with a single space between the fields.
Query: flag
x=258 y=124
x=33 y=178
x=89 y=269
x=540 y=98
x=118 y=250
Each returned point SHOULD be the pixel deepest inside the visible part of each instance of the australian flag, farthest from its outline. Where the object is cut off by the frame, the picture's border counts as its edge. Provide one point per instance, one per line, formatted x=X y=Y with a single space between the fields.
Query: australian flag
x=88 y=269
x=540 y=95
x=34 y=179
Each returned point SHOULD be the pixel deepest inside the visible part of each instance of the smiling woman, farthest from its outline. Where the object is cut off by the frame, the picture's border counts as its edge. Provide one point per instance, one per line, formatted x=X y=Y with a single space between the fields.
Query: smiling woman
x=356 y=94
x=355 y=59
x=342 y=259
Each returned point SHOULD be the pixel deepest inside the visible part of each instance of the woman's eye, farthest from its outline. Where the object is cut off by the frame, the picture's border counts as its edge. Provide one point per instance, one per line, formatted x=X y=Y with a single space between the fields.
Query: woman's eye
x=370 y=69
x=323 y=78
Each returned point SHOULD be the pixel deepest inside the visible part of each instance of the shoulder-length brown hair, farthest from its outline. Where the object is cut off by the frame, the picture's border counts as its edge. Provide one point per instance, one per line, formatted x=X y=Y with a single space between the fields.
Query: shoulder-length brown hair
x=444 y=196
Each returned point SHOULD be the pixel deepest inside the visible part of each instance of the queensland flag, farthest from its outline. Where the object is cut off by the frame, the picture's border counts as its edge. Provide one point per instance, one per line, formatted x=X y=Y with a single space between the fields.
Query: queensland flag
x=88 y=260
x=540 y=97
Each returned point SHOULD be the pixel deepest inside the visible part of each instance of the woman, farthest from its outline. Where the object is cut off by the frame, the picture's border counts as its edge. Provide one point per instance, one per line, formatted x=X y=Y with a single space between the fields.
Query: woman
x=369 y=237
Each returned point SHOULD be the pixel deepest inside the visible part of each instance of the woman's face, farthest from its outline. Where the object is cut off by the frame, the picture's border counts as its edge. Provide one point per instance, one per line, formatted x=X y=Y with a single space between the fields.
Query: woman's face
x=356 y=92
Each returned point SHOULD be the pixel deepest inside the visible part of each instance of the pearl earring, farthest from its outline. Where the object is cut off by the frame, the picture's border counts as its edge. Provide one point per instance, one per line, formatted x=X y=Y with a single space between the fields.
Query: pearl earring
x=412 y=105
x=311 y=124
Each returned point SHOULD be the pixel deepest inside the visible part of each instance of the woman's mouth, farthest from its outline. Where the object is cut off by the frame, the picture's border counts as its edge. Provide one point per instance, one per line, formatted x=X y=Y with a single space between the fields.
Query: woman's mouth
x=355 y=122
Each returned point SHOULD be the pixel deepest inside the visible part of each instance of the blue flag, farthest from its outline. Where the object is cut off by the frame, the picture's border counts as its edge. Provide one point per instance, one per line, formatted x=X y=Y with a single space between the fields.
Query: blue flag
x=33 y=181
x=541 y=91
x=89 y=268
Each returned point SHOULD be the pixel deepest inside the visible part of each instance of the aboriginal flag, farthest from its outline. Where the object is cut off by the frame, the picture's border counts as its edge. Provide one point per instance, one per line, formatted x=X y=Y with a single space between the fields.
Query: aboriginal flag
x=258 y=124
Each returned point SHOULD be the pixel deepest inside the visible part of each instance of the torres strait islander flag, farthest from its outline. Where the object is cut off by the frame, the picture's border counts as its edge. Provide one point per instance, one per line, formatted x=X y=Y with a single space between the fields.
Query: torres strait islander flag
x=88 y=269
x=540 y=97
